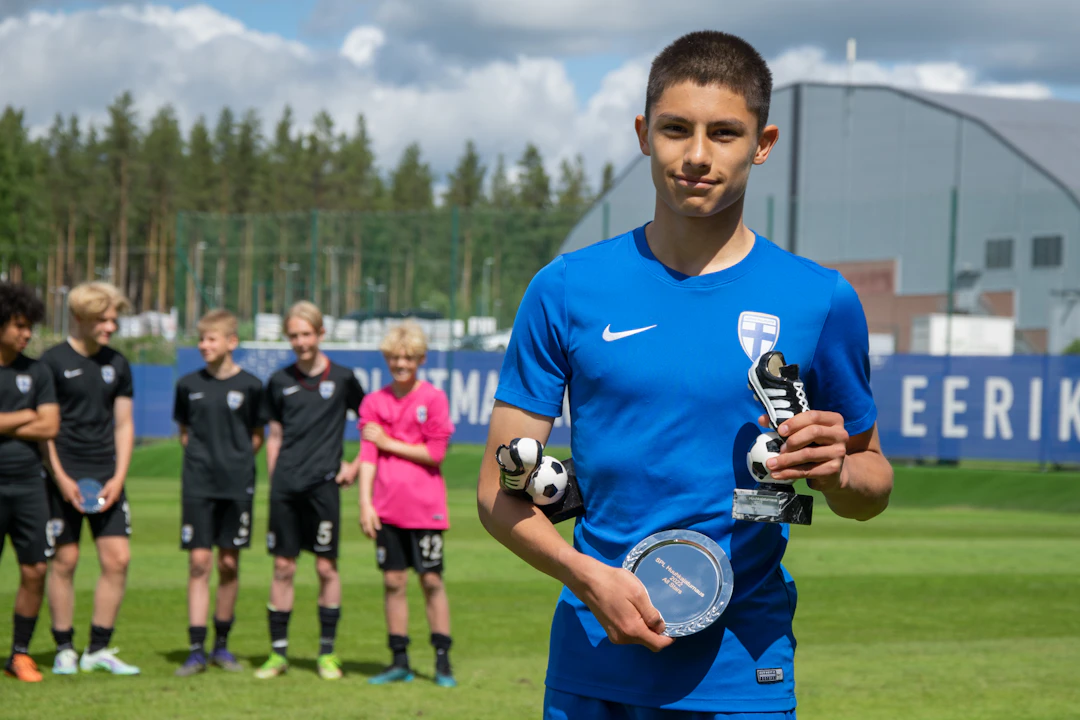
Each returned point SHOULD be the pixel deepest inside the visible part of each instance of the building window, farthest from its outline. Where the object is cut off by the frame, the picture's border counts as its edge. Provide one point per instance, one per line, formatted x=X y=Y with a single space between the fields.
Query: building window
x=1046 y=251
x=999 y=254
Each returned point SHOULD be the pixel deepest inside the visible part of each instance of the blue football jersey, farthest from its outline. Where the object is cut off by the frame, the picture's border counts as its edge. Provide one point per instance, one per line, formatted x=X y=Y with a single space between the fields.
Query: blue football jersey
x=655 y=364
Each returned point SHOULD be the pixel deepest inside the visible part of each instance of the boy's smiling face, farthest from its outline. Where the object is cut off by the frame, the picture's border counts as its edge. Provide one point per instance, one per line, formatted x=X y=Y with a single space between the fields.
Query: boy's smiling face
x=702 y=142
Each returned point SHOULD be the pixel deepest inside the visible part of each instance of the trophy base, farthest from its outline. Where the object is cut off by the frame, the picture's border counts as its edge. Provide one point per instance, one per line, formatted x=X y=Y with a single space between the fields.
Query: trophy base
x=772 y=503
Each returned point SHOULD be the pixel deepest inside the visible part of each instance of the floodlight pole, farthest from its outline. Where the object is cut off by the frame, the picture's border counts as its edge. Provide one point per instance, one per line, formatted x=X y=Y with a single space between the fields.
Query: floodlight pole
x=953 y=206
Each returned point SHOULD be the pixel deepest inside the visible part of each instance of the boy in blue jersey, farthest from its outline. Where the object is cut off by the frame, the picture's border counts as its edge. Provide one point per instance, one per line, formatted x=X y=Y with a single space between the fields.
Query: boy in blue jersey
x=652 y=334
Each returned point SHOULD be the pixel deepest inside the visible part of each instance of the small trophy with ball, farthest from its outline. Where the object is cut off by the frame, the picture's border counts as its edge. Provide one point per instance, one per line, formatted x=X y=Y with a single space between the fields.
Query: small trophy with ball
x=777 y=386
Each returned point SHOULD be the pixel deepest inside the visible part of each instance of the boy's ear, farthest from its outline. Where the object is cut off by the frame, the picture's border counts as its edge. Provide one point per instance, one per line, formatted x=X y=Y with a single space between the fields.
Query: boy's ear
x=233 y=342
x=641 y=129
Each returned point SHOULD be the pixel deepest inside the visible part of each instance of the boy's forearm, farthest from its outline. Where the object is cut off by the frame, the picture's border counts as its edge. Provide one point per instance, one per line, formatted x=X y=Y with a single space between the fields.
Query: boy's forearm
x=525 y=530
x=51 y=460
x=366 y=483
x=124 y=435
x=12 y=421
x=273 y=447
x=417 y=453
x=43 y=427
x=867 y=484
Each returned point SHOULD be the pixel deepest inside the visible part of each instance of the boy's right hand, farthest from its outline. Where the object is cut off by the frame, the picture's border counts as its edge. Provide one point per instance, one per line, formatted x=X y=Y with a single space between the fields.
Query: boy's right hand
x=69 y=490
x=369 y=520
x=621 y=605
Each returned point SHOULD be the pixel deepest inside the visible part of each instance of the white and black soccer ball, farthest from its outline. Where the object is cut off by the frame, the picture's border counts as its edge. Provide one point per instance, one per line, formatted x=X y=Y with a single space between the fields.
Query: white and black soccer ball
x=548 y=483
x=766 y=445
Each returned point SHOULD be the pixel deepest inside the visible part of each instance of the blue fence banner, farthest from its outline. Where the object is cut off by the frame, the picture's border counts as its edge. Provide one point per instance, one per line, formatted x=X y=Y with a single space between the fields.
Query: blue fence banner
x=1025 y=407
x=469 y=380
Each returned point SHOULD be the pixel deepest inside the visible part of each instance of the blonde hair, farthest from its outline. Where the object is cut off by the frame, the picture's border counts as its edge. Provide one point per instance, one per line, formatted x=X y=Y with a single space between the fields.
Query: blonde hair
x=407 y=335
x=222 y=320
x=93 y=299
x=303 y=310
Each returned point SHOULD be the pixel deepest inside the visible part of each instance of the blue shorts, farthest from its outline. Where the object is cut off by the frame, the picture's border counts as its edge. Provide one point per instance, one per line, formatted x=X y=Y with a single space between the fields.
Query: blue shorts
x=565 y=706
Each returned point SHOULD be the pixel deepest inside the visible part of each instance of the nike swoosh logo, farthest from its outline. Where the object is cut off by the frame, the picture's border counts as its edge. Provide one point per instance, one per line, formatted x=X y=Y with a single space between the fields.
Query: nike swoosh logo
x=72 y=373
x=609 y=336
x=195 y=396
x=291 y=390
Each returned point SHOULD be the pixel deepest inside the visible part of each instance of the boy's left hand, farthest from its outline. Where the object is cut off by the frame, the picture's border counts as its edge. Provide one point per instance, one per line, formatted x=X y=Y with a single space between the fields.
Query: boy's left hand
x=346 y=474
x=110 y=492
x=815 y=445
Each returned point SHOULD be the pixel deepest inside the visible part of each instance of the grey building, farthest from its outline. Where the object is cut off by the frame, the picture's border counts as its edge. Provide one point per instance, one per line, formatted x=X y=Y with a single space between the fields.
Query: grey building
x=885 y=184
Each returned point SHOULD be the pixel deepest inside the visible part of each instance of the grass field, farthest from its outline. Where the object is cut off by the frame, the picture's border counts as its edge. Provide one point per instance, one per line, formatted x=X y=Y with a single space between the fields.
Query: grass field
x=960 y=602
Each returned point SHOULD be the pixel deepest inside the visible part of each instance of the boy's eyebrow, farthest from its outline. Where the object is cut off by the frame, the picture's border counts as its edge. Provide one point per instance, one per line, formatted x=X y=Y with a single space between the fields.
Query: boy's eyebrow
x=733 y=123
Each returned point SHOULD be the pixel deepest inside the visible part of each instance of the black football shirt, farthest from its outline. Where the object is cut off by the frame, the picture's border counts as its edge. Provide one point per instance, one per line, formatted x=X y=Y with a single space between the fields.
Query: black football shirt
x=220 y=415
x=25 y=384
x=311 y=411
x=86 y=388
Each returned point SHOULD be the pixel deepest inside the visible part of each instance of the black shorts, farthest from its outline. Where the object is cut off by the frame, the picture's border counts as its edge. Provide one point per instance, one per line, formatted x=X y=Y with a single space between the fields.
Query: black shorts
x=24 y=515
x=306 y=520
x=66 y=522
x=399 y=549
x=207 y=522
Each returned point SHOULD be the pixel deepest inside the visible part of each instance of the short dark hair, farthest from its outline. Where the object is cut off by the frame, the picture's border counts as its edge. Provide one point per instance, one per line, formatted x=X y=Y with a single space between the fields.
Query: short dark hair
x=16 y=300
x=710 y=57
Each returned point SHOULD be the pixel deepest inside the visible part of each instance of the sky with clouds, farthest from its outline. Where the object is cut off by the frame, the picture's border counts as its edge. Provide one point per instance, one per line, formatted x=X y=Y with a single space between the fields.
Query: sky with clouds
x=568 y=75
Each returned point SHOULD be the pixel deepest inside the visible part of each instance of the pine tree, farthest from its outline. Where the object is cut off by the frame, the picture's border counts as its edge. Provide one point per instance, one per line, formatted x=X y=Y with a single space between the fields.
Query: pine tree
x=608 y=181
x=467 y=180
x=573 y=193
x=534 y=185
x=122 y=148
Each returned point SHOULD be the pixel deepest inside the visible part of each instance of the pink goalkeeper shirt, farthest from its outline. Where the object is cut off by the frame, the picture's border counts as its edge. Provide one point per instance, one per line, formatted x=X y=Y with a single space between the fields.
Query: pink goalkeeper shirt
x=408 y=494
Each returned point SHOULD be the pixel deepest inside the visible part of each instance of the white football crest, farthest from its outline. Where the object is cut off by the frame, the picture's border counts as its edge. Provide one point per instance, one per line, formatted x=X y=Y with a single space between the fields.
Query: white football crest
x=326 y=389
x=235 y=399
x=421 y=414
x=24 y=383
x=187 y=532
x=758 y=333
x=108 y=374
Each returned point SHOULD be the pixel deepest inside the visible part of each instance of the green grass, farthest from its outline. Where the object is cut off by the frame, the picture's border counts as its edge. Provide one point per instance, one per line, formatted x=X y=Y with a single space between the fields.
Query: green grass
x=959 y=602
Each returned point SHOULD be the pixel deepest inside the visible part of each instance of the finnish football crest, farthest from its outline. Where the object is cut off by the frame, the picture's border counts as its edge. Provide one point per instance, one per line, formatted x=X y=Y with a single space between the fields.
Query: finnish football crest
x=421 y=414
x=235 y=399
x=108 y=374
x=758 y=333
x=326 y=389
x=24 y=383
x=187 y=532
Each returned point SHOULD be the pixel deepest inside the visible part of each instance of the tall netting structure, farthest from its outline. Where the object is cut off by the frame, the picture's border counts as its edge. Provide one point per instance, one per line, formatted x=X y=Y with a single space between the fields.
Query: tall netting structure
x=444 y=263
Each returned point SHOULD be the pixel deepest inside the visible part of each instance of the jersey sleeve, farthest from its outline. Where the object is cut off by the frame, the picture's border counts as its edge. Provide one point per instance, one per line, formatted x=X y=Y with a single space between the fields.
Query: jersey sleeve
x=437 y=429
x=180 y=405
x=368 y=452
x=259 y=408
x=354 y=392
x=839 y=376
x=272 y=401
x=536 y=368
x=125 y=386
x=45 y=386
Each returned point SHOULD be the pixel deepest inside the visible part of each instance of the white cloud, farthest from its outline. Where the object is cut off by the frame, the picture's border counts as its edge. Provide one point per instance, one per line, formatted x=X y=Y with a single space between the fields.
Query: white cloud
x=362 y=43
x=811 y=64
x=200 y=60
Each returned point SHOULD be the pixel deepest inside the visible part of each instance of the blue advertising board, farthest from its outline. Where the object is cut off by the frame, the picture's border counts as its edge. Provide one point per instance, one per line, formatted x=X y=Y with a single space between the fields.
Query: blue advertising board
x=1025 y=407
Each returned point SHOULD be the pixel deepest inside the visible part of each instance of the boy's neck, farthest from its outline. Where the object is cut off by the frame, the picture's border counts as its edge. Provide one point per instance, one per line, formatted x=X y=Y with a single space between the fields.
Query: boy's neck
x=223 y=369
x=699 y=246
x=84 y=346
x=8 y=355
x=313 y=366
x=400 y=390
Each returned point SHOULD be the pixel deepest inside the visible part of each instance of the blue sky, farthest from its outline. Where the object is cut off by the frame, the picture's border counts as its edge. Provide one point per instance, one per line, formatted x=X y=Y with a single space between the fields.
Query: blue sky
x=567 y=75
